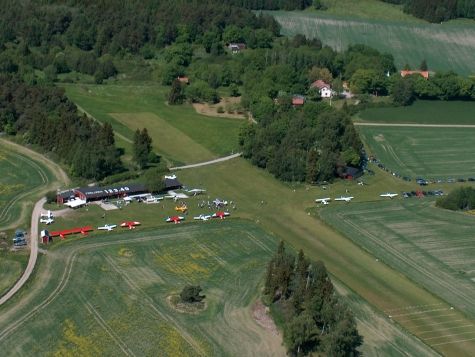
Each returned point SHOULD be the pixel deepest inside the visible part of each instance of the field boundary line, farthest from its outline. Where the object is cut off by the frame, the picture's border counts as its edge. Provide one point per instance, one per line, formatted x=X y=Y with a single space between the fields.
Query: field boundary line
x=260 y=244
x=211 y=253
x=446 y=343
x=454 y=334
x=417 y=125
x=438 y=323
x=447 y=328
x=425 y=318
x=419 y=312
x=106 y=327
x=413 y=307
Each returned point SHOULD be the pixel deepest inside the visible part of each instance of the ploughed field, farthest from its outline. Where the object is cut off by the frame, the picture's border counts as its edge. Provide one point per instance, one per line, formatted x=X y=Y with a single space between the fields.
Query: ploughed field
x=428 y=152
x=433 y=247
x=107 y=295
x=445 y=47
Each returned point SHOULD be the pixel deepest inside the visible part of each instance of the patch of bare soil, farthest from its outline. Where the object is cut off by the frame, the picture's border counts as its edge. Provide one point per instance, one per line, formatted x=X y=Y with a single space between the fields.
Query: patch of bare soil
x=185 y=308
x=211 y=109
x=379 y=137
x=260 y=313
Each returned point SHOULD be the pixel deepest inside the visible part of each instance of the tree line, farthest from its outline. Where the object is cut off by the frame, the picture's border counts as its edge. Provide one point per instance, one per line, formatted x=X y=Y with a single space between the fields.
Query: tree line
x=460 y=199
x=316 y=320
x=436 y=11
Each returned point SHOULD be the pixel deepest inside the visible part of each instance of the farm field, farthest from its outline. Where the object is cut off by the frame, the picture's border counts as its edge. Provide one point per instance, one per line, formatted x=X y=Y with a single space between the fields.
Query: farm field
x=445 y=47
x=422 y=112
x=428 y=152
x=430 y=246
x=115 y=104
x=25 y=177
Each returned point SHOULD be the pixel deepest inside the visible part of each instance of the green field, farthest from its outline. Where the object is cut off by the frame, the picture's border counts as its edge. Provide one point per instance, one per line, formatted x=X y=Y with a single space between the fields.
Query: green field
x=431 y=246
x=422 y=112
x=445 y=47
x=108 y=296
x=216 y=136
x=428 y=152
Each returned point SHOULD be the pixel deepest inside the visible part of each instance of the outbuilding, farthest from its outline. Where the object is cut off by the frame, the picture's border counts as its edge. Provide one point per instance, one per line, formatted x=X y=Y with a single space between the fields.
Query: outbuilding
x=45 y=236
x=352 y=173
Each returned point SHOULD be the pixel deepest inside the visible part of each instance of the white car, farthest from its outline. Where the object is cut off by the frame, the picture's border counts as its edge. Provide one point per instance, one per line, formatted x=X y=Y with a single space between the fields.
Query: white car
x=170 y=177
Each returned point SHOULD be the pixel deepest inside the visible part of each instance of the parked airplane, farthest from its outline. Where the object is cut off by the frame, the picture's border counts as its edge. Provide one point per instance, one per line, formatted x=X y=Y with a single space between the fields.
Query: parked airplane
x=131 y=225
x=48 y=215
x=218 y=202
x=221 y=215
x=109 y=227
x=325 y=201
x=47 y=220
x=170 y=177
x=389 y=194
x=197 y=190
x=344 y=198
x=202 y=217
x=182 y=208
x=154 y=199
x=175 y=219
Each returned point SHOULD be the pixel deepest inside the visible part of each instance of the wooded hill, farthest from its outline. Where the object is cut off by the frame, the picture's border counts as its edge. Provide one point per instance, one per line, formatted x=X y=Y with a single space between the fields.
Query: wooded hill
x=437 y=10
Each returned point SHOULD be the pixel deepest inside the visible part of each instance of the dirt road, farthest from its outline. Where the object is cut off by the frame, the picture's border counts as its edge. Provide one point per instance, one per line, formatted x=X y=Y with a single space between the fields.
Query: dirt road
x=207 y=162
x=33 y=251
x=419 y=125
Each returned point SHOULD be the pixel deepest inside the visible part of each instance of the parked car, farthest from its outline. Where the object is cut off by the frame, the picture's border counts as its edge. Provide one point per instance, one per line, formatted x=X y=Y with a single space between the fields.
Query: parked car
x=419 y=193
x=451 y=180
x=424 y=193
x=424 y=183
x=471 y=179
x=414 y=193
x=404 y=194
x=419 y=180
x=406 y=178
x=441 y=192
x=371 y=172
x=461 y=180
x=440 y=181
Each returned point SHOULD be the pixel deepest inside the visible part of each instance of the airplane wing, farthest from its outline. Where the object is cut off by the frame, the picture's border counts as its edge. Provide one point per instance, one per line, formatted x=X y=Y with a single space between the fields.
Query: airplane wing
x=103 y=227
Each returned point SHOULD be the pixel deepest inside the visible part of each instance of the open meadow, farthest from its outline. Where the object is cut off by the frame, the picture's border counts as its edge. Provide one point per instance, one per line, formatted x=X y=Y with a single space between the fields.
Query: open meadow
x=109 y=295
x=25 y=177
x=429 y=152
x=445 y=47
x=422 y=112
x=179 y=133
x=431 y=246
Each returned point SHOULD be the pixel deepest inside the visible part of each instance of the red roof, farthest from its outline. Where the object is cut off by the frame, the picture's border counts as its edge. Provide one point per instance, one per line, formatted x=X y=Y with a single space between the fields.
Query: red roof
x=183 y=79
x=297 y=101
x=319 y=83
x=425 y=74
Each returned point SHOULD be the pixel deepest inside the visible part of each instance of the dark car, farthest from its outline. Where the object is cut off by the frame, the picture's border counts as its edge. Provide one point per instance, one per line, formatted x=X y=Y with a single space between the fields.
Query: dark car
x=423 y=183
x=20 y=242
x=414 y=193
x=424 y=193
x=471 y=179
x=461 y=180
x=404 y=194
x=409 y=194
x=430 y=193
x=406 y=178
x=371 y=172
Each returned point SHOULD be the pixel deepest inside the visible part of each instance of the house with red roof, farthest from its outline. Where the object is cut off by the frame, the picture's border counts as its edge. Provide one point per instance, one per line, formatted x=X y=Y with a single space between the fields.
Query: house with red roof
x=424 y=74
x=324 y=89
x=183 y=80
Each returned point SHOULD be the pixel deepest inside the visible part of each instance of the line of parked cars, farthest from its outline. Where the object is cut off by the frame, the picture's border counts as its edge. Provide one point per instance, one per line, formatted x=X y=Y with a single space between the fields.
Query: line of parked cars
x=418 y=193
x=19 y=239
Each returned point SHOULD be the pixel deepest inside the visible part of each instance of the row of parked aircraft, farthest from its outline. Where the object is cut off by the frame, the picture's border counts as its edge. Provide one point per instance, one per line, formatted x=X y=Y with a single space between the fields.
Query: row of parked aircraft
x=110 y=227
x=327 y=200
x=202 y=217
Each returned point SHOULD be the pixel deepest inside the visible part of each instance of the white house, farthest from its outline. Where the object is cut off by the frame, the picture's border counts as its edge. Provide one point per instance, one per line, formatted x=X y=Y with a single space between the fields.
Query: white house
x=324 y=89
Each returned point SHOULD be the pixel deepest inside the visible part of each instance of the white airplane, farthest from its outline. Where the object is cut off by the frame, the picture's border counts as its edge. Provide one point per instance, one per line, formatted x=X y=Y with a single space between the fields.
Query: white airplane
x=344 y=198
x=325 y=201
x=154 y=199
x=47 y=215
x=196 y=190
x=47 y=220
x=109 y=227
x=389 y=194
x=202 y=217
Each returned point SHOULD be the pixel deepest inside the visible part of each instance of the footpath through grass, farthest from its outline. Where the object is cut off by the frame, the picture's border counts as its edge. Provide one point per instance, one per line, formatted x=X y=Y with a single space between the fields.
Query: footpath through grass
x=428 y=152
x=445 y=47
x=130 y=107
x=422 y=112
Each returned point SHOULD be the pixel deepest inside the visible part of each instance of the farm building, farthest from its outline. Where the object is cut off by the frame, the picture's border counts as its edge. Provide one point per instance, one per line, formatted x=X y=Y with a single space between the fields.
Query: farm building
x=324 y=89
x=236 y=47
x=81 y=195
x=298 y=100
x=424 y=74
x=183 y=80
x=45 y=236
x=351 y=173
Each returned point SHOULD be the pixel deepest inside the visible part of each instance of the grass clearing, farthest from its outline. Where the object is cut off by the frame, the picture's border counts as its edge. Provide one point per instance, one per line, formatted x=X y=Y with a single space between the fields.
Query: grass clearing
x=211 y=109
x=432 y=153
x=172 y=142
x=422 y=112
x=216 y=135
x=445 y=47
x=430 y=246
x=110 y=303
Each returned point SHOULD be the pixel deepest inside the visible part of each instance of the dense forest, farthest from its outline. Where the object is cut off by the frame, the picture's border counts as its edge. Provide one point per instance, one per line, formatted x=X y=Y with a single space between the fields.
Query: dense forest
x=316 y=320
x=436 y=11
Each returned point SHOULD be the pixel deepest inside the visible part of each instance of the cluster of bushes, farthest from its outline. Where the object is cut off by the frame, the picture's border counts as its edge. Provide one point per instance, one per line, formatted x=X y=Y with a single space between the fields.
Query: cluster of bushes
x=462 y=198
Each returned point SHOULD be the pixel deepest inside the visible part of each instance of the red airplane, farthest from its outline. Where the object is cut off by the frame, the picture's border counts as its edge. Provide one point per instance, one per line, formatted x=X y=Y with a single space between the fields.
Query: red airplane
x=175 y=219
x=64 y=233
x=130 y=224
x=221 y=215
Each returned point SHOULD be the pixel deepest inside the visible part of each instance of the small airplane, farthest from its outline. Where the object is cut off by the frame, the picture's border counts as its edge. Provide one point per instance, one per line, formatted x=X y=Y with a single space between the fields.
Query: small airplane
x=109 y=227
x=170 y=177
x=389 y=194
x=197 y=190
x=131 y=225
x=47 y=220
x=325 y=201
x=344 y=198
x=154 y=199
x=47 y=215
x=182 y=208
x=221 y=215
x=202 y=217
x=175 y=219
x=218 y=202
